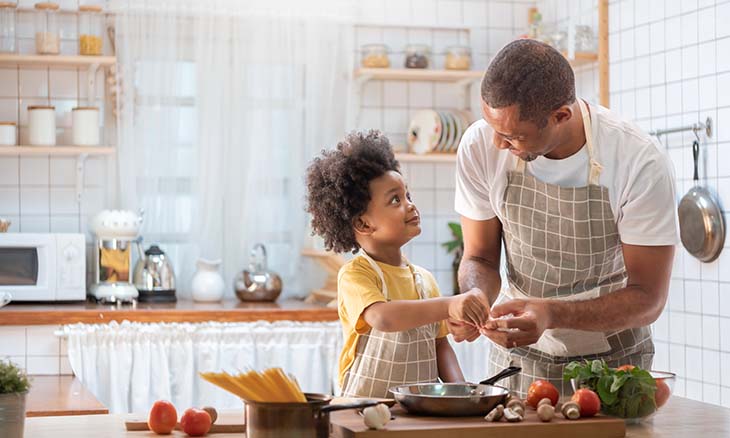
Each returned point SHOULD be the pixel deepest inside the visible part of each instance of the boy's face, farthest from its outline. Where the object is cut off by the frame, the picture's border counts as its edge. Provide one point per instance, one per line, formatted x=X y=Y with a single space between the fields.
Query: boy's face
x=391 y=217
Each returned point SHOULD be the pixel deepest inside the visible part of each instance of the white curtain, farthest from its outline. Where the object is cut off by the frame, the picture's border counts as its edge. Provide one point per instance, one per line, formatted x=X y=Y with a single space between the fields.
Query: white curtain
x=128 y=366
x=222 y=104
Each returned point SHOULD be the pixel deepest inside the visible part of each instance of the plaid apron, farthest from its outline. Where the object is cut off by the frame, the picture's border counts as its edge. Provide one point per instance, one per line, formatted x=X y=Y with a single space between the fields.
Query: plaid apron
x=562 y=243
x=384 y=360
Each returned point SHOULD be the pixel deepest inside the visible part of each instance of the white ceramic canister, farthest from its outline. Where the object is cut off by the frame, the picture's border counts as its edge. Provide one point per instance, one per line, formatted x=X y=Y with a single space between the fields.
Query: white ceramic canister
x=42 y=125
x=207 y=284
x=7 y=134
x=85 y=121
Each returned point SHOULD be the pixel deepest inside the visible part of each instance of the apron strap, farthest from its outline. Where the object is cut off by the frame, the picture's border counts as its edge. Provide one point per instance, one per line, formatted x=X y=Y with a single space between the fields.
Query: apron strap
x=417 y=277
x=595 y=169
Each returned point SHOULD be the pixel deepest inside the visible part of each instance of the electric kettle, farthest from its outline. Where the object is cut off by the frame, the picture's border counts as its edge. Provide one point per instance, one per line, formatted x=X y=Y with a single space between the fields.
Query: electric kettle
x=154 y=276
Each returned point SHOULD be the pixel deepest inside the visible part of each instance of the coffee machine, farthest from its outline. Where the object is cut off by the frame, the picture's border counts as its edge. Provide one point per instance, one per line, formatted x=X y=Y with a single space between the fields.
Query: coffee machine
x=115 y=233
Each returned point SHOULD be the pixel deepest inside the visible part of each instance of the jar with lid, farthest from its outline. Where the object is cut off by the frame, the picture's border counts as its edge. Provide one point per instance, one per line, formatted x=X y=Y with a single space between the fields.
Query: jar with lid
x=375 y=56
x=42 y=125
x=7 y=27
x=85 y=121
x=417 y=56
x=458 y=58
x=91 y=30
x=8 y=134
x=585 y=41
x=47 y=38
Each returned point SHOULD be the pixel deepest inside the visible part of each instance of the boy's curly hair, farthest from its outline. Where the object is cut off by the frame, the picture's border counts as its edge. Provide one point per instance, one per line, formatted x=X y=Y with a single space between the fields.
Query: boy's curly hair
x=338 y=188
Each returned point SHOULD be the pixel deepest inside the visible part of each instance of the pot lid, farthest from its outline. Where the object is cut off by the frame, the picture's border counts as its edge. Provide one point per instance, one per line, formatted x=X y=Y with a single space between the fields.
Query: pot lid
x=154 y=250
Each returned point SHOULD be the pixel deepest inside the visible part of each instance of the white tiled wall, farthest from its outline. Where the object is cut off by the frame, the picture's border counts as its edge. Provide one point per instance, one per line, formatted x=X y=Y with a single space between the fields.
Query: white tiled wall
x=35 y=348
x=483 y=25
x=669 y=67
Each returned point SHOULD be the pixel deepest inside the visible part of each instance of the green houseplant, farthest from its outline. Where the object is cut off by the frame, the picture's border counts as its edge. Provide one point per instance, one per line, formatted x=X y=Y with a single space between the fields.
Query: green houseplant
x=14 y=385
x=457 y=247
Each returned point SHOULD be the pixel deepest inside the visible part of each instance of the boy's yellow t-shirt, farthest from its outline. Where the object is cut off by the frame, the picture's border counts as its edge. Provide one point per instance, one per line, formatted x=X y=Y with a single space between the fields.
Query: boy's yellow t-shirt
x=359 y=286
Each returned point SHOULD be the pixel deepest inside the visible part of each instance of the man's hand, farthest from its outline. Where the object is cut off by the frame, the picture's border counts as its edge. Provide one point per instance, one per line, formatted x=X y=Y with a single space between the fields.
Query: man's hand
x=531 y=318
x=462 y=331
x=471 y=307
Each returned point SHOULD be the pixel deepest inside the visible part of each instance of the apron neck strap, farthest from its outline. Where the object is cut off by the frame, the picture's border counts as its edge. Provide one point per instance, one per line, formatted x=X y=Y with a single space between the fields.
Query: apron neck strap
x=417 y=277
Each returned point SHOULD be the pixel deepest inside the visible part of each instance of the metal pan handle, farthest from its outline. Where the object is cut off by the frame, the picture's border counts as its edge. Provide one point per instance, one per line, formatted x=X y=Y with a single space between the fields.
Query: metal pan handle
x=696 y=156
x=511 y=371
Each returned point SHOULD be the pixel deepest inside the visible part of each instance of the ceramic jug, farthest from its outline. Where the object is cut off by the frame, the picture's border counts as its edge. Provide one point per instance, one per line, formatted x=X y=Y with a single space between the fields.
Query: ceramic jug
x=207 y=284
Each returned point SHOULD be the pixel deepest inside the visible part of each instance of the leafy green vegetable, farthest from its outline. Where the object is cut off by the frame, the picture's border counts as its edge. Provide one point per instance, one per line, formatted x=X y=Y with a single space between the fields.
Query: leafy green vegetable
x=12 y=379
x=625 y=394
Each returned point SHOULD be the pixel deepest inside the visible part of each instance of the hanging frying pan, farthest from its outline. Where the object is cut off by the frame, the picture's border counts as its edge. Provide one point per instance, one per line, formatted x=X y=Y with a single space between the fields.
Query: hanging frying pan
x=701 y=223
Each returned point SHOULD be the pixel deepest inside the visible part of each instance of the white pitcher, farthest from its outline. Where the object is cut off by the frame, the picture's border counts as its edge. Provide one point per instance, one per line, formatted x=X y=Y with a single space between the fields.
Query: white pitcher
x=207 y=284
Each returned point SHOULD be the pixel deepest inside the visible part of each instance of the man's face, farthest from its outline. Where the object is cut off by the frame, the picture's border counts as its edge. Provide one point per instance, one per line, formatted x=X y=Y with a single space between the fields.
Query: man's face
x=521 y=137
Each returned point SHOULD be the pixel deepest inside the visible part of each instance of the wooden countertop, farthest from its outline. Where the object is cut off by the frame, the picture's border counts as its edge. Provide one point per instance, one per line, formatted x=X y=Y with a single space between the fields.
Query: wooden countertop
x=181 y=311
x=60 y=395
x=680 y=418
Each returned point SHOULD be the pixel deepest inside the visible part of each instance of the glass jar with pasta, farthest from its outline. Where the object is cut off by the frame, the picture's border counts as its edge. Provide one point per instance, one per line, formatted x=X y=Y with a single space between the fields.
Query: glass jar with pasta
x=47 y=37
x=458 y=58
x=375 y=56
x=91 y=30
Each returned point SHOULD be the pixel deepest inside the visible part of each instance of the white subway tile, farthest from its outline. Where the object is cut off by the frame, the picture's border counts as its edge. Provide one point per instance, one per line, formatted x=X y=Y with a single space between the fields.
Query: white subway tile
x=722 y=18
x=9 y=110
x=13 y=341
x=445 y=280
x=708 y=92
x=723 y=117
x=498 y=38
x=658 y=101
x=42 y=341
x=475 y=14
x=420 y=95
x=643 y=72
x=43 y=365
x=725 y=330
x=615 y=55
x=63 y=201
x=627 y=14
x=372 y=12
x=445 y=176
x=642 y=41
x=628 y=43
x=656 y=36
x=449 y=12
x=428 y=230
x=425 y=200
x=711 y=332
x=706 y=28
x=33 y=83
x=9 y=201
x=8 y=82
x=661 y=327
x=690 y=95
x=370 y=119
x=65 y=224
x=693 y=327
x=65 y=366
x=676 y=295
x=63 y=84
x=34 y=171
x=398 y=11
x=725 y=397
x=707 y=59
x=34 y=224
x=676 y=327
x=9 y=171
x=95 y=171
x=725 y=301
x=421 y=176
x=63 y=171
x=500 y=14
x=424 y=11
x=372 y=94
x=395 y=120
x=658 y=68
x=688 y=28
x=64 y=108
x=673 y=37
x=723 y=62
x=725 y=369
x=710 y=298
x=723 y=90
x=34 y=200
x=673 y=61
x=672 y=8
x=643 y=104
x=445 y=202
x=689 y=62
x=661 y=356
x=676 y=359
x=711 y=271
x=423 y=255
x=710 y=393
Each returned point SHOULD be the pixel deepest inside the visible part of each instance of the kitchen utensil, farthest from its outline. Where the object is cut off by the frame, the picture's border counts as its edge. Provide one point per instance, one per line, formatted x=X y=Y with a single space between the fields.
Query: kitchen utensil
x=207 y=284
x=424 y=132
x=257 y=283
x=300 y=420
x=154 y=277
x=701 y=222
x=453 y=399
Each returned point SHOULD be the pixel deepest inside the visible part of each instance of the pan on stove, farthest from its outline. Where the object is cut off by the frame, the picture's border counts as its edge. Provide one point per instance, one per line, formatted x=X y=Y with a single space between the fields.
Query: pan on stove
x=453 y=399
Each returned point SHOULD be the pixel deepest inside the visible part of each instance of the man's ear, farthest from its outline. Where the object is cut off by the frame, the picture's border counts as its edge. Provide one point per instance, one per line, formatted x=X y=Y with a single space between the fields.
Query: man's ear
x=563 y=114
x=361 y=226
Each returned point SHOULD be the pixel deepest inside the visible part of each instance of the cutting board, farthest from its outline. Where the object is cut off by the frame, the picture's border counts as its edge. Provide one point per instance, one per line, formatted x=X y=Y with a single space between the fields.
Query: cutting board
x=227 y=422
x=348 y=424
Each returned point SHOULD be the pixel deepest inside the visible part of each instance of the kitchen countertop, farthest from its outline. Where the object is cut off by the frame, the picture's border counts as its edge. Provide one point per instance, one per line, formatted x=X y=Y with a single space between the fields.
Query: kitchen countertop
x=680 y=418
x=231 y=310
x=60 y=395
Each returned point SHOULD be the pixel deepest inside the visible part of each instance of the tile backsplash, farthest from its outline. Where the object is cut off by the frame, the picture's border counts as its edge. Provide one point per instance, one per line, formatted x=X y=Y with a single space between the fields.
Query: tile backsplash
x=35 y=348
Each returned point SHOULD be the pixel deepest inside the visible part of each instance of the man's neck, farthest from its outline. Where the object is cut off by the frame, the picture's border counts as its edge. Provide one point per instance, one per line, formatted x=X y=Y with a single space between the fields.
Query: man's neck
x=575 y=136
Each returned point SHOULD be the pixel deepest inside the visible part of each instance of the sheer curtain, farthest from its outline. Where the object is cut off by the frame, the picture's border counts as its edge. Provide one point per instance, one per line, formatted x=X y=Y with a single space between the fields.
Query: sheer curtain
x=222 y=104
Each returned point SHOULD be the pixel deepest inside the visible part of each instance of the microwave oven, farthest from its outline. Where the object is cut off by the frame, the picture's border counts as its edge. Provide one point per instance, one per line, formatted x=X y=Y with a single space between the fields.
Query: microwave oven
x=43 y=267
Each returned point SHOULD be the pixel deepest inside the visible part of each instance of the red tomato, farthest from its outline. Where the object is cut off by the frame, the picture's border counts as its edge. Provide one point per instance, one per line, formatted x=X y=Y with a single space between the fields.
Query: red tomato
x=626 y=367
x=662 y=392
x=540 y=389
x=588 y=401
x=162 y=418
x=195 y=422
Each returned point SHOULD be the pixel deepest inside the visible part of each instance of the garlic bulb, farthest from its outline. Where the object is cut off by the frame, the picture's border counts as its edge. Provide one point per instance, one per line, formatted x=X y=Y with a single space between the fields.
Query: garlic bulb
x=376 y=417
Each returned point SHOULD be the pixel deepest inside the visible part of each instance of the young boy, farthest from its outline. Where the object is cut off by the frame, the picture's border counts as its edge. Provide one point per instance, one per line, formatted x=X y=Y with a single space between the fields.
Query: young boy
x=391 y=312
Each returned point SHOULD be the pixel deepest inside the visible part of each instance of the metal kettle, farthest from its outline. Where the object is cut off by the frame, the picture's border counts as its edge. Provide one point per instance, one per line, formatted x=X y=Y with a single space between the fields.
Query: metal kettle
x=257 y=283
x=153 y=276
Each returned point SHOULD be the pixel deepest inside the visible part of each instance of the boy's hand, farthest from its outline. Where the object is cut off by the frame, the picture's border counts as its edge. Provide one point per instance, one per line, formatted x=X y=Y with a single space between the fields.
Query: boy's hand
x=471 y=307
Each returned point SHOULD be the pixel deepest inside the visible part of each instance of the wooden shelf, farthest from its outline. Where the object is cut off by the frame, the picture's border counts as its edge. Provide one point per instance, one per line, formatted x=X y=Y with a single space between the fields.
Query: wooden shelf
x=56 y=150
x=414 y=74
x=426 y=158
x=582 y=58
x=56 y=60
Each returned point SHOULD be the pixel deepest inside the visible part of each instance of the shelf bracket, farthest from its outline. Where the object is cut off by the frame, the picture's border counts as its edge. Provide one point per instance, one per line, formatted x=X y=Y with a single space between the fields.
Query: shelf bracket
x=80 y=160
x=464 y=86
x=91 y=83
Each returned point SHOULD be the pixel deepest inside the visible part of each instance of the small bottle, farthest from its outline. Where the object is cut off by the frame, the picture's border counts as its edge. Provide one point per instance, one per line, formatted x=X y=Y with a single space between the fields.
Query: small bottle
x=91 y=30
x=47 y=38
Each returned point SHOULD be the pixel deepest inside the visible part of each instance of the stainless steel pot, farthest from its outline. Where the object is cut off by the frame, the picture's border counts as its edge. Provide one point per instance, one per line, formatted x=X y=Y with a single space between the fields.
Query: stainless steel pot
x=701 y=222
x=295 y=420
x=453 y=399
x=257 y=283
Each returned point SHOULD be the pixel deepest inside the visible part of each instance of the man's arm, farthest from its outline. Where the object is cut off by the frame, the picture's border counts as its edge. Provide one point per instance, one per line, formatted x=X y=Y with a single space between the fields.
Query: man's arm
x=639 y=304
x=448 y=365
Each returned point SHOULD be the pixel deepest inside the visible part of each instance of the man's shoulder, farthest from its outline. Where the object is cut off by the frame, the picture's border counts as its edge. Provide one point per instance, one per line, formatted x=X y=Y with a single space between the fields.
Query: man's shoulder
x=623 y=134
x=476 y=145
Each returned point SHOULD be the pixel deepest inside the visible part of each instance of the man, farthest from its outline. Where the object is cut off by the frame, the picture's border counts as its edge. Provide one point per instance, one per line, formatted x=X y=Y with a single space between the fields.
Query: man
x=585 y=205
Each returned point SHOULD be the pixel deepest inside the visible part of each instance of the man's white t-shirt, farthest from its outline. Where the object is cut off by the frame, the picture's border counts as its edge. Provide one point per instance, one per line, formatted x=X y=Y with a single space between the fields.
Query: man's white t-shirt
x=638 y=174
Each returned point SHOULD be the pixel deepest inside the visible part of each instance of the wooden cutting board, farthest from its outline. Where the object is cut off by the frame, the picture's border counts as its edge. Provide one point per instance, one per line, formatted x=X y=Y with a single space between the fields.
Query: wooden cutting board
x=349 y=424
x=227 y=422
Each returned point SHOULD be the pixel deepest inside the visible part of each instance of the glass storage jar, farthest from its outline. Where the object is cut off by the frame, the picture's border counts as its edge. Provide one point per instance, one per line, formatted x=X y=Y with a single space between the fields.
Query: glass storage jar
x=91 y=30
x=7 y=27
x=458 y=58
x=417 y=56
x=375 y=56
x=47 y=38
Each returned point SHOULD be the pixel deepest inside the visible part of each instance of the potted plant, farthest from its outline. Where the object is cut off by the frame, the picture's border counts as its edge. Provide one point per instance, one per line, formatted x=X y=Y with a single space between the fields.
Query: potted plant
x=457 y=247
x=14 y=387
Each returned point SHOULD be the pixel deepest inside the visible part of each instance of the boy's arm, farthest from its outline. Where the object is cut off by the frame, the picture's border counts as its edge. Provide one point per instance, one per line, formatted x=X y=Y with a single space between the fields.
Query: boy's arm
x=400 y=315
x=448 y=365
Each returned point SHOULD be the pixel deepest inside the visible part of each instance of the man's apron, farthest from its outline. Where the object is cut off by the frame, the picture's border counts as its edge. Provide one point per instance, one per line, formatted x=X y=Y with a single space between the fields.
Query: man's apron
x=562 y=243
x=383 y=360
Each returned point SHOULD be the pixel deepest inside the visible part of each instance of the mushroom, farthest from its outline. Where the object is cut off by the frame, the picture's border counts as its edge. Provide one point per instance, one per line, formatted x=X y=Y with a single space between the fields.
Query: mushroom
x=512 y=416
x=545 y=412
x=571 y=410
x=495 y=414
x=376 y=417
x=212 y=412
x=517 y=406
x=545 y=401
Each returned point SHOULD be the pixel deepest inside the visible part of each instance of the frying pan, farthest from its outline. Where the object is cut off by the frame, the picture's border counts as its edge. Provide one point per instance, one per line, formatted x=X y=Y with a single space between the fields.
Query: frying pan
x=701 y=223
x=453 y=399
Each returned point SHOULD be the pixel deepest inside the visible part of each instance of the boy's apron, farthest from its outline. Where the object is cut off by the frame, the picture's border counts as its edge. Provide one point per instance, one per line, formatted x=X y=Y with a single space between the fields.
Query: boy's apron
x=562 y=243
x=384 y=360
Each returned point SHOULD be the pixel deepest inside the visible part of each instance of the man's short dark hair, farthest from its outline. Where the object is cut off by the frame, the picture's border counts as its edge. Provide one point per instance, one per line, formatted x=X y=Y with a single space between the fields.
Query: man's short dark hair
x=532 y=75
x=338 y=186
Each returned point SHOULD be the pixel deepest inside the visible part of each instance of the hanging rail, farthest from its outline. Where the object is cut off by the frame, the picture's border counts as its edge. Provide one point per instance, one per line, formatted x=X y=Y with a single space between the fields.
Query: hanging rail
x=695 y=127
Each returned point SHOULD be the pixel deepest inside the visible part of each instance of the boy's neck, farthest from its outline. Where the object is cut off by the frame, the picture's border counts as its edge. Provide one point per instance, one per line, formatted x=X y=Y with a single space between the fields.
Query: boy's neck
x=390 y=255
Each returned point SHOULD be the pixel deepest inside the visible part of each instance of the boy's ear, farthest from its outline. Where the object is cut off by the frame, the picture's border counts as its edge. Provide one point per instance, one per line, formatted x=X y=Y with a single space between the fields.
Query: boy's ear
x=361 y=226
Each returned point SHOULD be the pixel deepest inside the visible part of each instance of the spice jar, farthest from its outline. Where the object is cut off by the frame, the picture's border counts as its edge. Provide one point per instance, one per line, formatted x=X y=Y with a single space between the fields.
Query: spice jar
x=47 y=39
x=7 y=27
x=42 y=125
x=85 y=122
x=458 y=58
x=417 y=56
x=375 y=56
x=7 y=134
x=91 y=30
